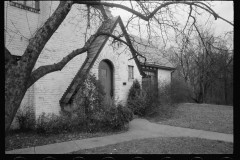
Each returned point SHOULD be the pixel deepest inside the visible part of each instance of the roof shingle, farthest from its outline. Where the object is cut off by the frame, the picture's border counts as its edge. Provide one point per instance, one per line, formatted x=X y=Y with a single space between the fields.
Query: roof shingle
x=152 y=54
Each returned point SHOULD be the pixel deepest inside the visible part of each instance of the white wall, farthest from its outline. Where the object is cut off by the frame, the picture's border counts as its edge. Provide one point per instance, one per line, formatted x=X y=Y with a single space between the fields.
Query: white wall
x=19 y=26
x=45 y=94
x=164 y=76
x=120 y=62
x=50 y=88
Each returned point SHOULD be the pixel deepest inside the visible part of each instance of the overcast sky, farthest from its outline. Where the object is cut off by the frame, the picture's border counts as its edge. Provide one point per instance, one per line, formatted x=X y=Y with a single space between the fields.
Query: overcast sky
x=223 y=8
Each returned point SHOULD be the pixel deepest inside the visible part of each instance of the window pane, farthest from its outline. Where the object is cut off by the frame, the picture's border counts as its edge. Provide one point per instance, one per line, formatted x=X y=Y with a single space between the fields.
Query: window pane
x=103 y=73
x=33 y=4
x=37 y=4
x=29 y=3
x=21 y=2
x=130 y=72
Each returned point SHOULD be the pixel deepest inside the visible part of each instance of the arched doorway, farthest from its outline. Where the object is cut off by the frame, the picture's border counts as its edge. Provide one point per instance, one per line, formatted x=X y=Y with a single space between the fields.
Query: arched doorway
x=105 y=74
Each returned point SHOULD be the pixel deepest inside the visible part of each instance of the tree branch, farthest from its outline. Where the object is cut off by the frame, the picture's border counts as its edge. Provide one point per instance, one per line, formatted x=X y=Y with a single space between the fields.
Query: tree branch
x=146 y=18
x=37 y=43
x=43 y=70
x=9 y=58
x=130 y=46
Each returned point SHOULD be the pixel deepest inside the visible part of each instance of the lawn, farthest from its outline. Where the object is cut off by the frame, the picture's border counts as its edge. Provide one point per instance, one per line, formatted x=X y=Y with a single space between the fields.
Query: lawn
x=216 y=118
x=172 y=145
x=17 y=140
x=208 y=117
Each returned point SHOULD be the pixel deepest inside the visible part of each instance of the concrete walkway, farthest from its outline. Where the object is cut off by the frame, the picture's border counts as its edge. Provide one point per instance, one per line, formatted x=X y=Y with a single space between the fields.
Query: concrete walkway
x=138 y=129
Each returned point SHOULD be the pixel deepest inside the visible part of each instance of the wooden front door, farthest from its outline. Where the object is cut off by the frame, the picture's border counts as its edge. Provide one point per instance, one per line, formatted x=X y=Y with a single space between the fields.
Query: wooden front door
x=106 y=79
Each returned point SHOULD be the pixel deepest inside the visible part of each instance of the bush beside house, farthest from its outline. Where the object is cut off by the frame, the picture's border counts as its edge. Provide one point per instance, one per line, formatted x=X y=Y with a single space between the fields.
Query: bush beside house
x=151 y=99
x=91 y=113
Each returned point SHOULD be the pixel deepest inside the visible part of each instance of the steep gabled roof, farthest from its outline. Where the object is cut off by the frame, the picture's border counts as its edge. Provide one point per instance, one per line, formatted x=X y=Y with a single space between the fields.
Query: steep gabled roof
x=152 y=54
x=92 y=54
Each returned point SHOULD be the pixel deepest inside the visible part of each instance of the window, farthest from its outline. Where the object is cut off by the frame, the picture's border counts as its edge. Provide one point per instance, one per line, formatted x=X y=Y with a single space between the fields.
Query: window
x=32 y=6
x=104 y=73
x=130 y=72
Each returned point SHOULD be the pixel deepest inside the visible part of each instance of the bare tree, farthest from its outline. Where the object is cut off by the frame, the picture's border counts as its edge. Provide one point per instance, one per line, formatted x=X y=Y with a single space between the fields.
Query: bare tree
x=202 y=61
x=19 y=75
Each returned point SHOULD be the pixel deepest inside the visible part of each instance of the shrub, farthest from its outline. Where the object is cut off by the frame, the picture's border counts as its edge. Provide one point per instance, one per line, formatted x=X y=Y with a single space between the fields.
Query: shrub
x=138 y=104
x=125 y=113
x=136 y=99
x=118 y=117
x=110 y=118
x=180 y=90
x=135 y=90
x=25 y=118
x=152 y=99
x=89 y=98
x=89 y=112
x=164 y=93
x=139 y=100
x=53 y=124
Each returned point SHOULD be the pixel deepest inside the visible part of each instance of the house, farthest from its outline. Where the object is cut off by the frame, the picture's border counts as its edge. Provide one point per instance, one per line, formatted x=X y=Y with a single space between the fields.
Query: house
x=115 y=67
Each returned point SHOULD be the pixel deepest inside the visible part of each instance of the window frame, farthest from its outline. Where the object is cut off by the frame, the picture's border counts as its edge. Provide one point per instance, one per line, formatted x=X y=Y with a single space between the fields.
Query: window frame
x=35 y=9
x=130 y=72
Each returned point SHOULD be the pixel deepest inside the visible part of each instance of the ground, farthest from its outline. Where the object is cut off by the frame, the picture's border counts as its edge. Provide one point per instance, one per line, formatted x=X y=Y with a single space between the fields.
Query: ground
x=172 y=145
x=17 y=140
x=217 y=118
x=209 y=117
x=197 y=116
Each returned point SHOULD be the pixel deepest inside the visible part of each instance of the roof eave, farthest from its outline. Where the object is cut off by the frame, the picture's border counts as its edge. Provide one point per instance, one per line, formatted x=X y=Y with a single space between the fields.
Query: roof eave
x=158 y=66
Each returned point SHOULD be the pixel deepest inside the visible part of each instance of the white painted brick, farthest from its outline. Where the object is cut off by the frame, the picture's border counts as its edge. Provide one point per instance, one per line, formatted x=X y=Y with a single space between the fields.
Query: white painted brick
x=45 y=94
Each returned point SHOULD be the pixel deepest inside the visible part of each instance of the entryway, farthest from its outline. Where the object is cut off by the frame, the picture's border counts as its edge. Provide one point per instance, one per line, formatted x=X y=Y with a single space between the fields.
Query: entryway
x=105 y=74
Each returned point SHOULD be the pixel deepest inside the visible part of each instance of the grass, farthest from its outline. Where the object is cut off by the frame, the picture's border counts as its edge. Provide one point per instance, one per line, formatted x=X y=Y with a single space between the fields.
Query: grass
x=17 y=139
x=172 y=145
x=197 y=116
x=216 y=118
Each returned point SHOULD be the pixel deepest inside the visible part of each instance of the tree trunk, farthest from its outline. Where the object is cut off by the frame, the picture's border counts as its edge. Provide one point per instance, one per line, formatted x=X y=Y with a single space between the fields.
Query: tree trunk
x=200 y=94
x=226 y=91
x=17 y=74
x=15 y=82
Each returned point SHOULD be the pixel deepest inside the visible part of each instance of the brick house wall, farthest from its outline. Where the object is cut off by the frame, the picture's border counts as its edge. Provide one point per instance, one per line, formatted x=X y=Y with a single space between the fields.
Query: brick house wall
x=119 y=59
x=45 y=94
x=20 y=25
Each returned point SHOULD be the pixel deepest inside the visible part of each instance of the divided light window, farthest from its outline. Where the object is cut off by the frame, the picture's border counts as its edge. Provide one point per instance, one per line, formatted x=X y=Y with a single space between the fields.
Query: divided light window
x=130 y=72
x=32 y=6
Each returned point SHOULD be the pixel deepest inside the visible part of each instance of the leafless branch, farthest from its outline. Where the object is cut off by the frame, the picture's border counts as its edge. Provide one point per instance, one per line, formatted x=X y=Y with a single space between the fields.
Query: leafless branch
x=190 y=13
x=43 y=70
x=18 y=30
x=129 y=45
x=146 y=18
x=28 y=24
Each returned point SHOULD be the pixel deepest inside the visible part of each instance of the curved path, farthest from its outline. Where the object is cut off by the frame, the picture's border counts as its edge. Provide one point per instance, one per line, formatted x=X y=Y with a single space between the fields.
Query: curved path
x=138 y=129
